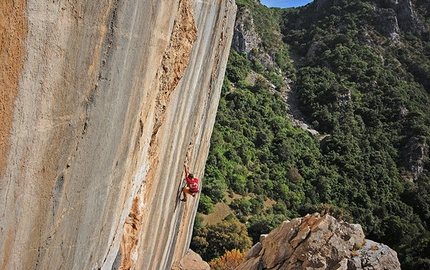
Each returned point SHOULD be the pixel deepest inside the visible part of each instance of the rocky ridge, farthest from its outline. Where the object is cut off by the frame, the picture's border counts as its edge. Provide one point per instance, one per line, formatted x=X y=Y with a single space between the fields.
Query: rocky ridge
x=318 y=242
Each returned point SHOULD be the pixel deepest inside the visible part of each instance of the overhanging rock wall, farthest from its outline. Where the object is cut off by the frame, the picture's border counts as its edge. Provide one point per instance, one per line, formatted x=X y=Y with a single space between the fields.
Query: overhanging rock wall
x=102 y=103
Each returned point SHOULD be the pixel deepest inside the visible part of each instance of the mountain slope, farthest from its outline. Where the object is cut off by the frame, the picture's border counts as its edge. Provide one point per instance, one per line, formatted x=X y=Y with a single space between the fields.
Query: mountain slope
x=359 y=72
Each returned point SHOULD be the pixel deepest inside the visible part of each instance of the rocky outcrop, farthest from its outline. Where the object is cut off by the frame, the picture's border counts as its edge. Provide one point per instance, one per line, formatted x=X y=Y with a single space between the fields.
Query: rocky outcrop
x=318 y=242
x=414 y=153
x=387 y=24
x=102 y=103
x=393 y=16
x=390 y=17
x=247 y=40
x=406 y=17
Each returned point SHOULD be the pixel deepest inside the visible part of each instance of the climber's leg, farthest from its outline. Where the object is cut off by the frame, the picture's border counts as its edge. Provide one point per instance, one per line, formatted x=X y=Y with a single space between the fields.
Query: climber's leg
x=185 y=190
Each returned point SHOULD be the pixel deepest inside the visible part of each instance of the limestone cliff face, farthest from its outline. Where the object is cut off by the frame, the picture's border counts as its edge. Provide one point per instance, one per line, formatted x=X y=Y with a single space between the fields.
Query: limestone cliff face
x=319 y=242
x=246 y=39
x=102 y=102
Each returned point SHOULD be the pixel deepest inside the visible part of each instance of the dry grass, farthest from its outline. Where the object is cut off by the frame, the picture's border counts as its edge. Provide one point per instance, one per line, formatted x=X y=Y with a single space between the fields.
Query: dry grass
x=354 y=253
x=221 y=210
x=269 y=203
x=374 y=247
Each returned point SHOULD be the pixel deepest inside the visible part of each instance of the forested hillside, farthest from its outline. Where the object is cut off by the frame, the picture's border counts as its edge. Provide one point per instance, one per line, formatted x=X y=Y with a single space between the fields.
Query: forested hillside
x=359 y=72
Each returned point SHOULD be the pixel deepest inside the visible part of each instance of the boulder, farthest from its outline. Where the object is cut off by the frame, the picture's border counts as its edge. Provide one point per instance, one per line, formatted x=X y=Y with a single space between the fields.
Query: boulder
x=191 y=261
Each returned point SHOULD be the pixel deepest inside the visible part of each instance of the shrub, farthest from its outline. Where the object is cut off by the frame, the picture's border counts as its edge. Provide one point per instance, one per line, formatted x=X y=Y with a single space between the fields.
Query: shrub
x=229 y=261
x=205 y=205
x=214 y=240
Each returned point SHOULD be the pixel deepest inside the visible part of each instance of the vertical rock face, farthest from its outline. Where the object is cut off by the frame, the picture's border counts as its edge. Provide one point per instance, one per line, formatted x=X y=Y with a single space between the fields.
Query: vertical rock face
x=102 y=103
x=318 y=242
x=245 y=39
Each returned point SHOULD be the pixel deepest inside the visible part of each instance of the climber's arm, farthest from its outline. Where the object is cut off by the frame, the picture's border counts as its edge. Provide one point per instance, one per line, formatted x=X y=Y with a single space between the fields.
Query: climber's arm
x=186 y=170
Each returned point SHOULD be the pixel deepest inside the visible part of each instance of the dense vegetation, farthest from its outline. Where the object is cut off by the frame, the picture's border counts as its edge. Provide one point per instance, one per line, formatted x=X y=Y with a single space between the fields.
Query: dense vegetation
x=367 y=93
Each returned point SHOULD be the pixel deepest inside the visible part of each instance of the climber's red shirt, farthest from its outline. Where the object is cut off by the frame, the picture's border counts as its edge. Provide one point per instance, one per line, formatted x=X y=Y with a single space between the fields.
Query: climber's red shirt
x=193 y=184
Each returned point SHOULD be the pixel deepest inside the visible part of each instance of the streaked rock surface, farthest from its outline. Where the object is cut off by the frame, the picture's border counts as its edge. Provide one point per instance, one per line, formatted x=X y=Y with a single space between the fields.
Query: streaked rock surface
x=102 y=103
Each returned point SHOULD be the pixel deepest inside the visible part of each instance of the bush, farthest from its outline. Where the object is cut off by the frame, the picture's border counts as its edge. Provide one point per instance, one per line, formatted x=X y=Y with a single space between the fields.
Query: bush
x=263 y=224
x=213 y=241
x=229 y=261
x=241 y=206
x=205 y=205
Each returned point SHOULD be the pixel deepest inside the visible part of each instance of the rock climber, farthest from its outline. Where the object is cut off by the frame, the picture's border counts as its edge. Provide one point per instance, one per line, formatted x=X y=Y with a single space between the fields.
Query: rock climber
x=192 y=186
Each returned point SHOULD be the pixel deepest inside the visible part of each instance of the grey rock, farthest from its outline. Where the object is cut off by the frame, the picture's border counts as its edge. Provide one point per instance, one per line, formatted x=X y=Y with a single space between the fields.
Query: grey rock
x=320 y=242
x=245 y=38
x=191 y=261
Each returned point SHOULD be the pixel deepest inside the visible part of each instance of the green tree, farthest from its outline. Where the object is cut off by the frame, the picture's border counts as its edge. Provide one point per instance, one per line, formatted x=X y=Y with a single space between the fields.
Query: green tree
x=212 y=241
